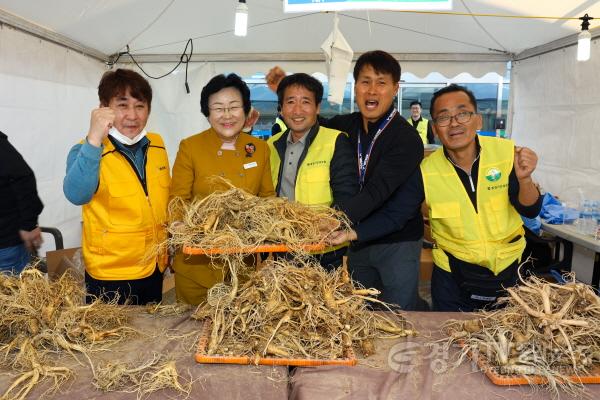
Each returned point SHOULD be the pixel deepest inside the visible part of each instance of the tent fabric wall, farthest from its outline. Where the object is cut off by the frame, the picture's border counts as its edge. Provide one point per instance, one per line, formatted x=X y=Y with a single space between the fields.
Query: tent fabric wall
x=47 y=93
x=556 y=103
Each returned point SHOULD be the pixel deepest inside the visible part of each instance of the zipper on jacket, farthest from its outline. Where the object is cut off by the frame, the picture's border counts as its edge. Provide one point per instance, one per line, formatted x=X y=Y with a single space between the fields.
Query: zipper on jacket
x=471 y=182
x=137 y=173
x=468 y=173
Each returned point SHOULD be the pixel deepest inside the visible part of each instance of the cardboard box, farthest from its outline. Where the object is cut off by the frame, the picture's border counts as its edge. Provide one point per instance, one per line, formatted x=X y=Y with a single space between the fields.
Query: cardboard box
x=59 y=261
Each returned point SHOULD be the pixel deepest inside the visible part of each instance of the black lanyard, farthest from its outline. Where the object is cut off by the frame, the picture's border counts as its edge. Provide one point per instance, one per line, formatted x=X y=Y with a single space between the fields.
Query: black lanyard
x=362 y=164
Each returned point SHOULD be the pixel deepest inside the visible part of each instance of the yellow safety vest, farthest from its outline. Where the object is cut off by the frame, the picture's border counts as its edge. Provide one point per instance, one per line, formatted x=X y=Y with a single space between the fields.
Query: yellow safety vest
x=421 y=128
x=281 y=123
x=312 y=179
x=482 y=238
x=121 y=224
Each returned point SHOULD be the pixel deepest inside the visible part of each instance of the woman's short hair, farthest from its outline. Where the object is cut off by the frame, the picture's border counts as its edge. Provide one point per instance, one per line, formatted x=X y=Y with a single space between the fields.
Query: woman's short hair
x=221 y=82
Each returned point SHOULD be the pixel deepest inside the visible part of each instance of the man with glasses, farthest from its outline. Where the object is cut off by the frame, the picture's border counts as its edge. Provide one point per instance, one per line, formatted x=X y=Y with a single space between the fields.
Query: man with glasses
x=475 y=187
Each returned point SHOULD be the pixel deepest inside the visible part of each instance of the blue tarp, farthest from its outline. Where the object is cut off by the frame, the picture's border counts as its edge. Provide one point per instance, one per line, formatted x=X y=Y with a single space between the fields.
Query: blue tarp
x=553 y=212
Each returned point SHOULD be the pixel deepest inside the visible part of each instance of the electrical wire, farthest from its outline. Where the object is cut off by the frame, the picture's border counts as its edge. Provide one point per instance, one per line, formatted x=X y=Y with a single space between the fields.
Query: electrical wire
x=164 y=10
x=424 y=33
x=229 y=31
x=482 y=27
x=469 y=14
x=183 y=59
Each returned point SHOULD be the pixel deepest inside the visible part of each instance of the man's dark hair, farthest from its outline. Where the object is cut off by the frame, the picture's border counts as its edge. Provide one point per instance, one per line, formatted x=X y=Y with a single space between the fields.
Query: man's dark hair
x=300 y=79
x=416 y=103
x=381 y=61
x=221 y=82
x=451 y=89
x=115 y=84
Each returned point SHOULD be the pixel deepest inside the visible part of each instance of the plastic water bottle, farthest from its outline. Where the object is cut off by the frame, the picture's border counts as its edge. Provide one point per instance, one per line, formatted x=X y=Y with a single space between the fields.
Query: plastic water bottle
x=595 y=218
x=586 y=218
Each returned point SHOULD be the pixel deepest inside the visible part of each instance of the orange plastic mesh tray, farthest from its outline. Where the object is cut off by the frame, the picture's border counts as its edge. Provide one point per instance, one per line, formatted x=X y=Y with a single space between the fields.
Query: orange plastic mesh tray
x=265 y=248
x=513 y=380
x=202 y=357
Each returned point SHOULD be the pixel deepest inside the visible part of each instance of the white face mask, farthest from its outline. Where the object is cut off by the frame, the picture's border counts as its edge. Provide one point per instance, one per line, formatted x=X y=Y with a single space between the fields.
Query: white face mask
x=124 y=139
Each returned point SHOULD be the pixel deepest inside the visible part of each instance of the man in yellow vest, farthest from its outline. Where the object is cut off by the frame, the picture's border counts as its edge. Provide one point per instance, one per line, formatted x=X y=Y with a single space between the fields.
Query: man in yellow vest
x=311 y=164
x=475 y=189
x=120 y=175
x=421 y=124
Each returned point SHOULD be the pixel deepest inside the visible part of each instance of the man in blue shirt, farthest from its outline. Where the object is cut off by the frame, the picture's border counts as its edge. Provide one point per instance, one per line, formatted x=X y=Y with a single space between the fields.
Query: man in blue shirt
x=120 y=175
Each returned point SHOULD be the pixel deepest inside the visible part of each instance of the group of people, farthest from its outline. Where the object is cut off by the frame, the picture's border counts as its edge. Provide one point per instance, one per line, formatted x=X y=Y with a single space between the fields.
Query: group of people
x=369 y=164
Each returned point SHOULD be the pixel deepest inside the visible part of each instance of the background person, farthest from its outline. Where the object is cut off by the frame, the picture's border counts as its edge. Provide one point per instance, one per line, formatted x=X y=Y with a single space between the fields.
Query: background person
x=20 y=207
x=273 y=78
x=421 y=124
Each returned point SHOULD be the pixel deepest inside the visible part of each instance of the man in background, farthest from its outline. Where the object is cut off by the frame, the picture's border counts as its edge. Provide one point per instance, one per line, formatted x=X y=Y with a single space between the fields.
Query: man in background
x=20 y=207
x=273 y=78
x=421 y=124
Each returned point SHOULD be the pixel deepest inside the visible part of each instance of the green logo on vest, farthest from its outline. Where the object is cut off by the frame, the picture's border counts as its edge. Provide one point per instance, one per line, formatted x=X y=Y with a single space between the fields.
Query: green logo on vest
x=493 y=175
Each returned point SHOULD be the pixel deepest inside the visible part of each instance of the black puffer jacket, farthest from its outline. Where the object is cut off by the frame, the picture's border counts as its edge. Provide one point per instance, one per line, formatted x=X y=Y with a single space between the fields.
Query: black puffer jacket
x=19 y=201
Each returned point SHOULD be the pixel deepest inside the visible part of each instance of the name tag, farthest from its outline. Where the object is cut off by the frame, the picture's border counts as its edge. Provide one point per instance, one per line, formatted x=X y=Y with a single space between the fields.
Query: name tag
x=250 y=165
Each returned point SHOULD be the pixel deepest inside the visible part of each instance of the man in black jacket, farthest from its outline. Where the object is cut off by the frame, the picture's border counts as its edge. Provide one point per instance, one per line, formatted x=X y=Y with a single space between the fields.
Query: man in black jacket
x=19 y=209
x=388 y=151
x=311 y=164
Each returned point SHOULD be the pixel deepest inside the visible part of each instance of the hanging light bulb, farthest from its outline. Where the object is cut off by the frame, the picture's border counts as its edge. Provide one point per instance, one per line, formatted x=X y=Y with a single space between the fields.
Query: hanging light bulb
x=241 y=18
x=584 y=39
x=583 y=46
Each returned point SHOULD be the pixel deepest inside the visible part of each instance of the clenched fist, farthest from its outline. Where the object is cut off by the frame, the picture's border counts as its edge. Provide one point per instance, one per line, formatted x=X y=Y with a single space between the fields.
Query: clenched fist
x=525 y=162
x=101 y=121
x=274 y=76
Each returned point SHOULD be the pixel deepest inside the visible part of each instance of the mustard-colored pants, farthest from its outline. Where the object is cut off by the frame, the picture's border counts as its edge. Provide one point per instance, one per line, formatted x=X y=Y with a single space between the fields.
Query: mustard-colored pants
x=194 y=275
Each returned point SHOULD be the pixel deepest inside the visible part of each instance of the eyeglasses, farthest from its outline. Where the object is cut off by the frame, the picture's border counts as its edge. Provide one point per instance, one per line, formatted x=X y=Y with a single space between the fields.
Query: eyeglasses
x=218 y=111
x=461 y=118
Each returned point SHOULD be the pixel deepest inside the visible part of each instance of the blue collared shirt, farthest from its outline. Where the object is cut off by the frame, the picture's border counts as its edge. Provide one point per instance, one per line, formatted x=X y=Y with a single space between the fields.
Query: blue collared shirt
x=83 y=168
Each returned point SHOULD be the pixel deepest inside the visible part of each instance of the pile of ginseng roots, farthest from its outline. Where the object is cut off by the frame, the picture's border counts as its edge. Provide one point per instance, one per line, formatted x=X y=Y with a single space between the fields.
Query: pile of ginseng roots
x=40 y=319
x=235 y=219
x=544 y=329
x=44 y=323
x=290 y=307
x=296 y=309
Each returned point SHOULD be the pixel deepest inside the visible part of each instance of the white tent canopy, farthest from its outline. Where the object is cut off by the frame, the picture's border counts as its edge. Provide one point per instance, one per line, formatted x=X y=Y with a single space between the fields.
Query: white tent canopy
x=52 y=55
x=158 y=30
